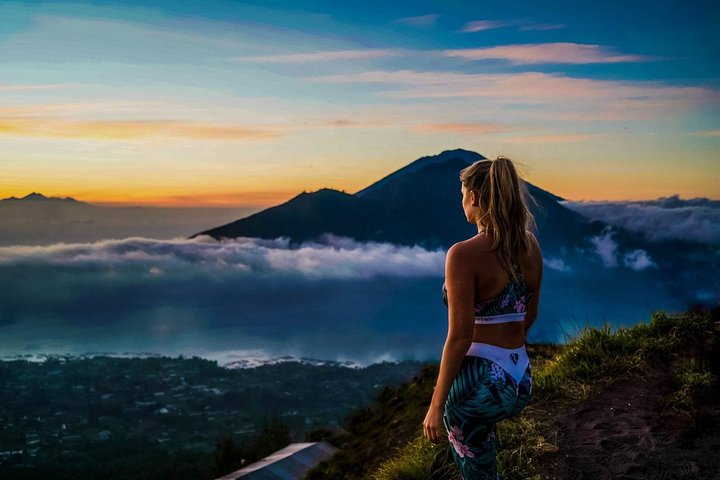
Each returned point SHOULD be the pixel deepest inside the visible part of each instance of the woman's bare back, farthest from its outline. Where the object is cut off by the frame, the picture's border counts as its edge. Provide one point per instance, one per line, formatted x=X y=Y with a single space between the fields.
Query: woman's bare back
x=491 y=280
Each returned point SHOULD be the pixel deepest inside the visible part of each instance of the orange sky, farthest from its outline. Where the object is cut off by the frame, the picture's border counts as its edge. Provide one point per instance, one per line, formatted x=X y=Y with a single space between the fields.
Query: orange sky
x=143 y=106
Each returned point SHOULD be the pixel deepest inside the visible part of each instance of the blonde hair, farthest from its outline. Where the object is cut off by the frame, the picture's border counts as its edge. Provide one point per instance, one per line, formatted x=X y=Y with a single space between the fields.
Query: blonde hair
x=503 y=203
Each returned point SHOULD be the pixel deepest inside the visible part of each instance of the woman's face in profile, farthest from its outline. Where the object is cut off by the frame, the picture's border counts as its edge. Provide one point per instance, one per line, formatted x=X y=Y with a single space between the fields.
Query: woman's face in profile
x=467 y=203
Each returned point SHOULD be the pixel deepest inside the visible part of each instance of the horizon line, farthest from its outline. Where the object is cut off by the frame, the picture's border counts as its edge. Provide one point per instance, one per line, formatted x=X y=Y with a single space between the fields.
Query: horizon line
x=120 y=204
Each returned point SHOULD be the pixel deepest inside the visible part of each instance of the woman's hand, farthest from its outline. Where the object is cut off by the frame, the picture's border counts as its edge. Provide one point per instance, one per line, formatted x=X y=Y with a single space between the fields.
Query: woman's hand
x=433 y=426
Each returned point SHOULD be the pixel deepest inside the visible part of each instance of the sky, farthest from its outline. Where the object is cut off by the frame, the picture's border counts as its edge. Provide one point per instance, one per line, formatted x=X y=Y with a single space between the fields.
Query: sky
x=247 y=104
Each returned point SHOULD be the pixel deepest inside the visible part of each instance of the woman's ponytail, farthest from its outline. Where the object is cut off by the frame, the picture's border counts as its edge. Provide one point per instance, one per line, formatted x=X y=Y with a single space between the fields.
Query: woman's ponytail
x=505 y=213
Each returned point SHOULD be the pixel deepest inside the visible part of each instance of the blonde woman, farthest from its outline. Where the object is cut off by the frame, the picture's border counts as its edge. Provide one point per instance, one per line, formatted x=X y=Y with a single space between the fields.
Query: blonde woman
x=492 y=289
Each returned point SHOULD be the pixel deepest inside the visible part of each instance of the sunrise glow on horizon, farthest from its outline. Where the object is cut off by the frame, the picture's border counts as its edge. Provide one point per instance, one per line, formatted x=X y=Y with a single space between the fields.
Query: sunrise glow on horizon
x=247 y=104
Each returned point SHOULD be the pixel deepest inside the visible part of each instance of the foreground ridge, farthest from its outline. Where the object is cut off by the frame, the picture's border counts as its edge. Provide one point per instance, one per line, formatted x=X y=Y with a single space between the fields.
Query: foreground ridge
x=638 y=402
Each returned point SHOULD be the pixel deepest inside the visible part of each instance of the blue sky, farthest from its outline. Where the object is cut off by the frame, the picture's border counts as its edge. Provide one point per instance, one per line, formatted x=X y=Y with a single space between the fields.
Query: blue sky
x=249 y=103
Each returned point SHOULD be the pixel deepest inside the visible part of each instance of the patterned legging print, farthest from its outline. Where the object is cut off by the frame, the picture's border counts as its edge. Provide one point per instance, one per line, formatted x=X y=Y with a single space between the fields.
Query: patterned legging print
x=481 y=395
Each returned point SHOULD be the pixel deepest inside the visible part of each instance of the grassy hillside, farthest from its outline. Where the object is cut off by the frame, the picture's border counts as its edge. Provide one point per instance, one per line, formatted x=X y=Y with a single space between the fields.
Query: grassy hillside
x=384 y=441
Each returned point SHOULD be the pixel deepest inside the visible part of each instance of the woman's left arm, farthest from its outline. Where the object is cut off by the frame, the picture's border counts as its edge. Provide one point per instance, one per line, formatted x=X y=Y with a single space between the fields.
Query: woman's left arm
x=459 y=282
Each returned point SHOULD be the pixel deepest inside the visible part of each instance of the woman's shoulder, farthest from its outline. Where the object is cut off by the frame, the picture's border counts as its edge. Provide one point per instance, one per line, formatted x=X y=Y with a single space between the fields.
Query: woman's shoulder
x=462 y=253
x=458 y=248
x=471 y=246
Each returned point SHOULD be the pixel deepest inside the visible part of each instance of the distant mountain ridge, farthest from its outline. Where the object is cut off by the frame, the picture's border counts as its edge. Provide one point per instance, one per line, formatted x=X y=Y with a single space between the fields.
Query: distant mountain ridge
x=39 y=197
x=418 y=204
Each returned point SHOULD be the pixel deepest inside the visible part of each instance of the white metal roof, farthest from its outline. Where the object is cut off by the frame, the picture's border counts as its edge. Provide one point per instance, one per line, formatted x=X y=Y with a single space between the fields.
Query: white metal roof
x=289 y=463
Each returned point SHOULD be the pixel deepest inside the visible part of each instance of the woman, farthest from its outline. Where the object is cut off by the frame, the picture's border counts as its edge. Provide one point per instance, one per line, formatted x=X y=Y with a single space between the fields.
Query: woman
x=492 y=289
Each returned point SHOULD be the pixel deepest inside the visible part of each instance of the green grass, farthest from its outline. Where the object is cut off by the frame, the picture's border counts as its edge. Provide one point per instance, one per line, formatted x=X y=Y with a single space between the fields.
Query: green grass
x=597 y=356
x=419 y=459
x=562 y=376
x=694 y=380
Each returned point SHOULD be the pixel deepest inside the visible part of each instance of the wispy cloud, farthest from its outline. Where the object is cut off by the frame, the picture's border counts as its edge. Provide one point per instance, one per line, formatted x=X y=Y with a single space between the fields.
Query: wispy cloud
x=522 y=24
x=65 y=108
x=418 y=21
x=51 y=120
x=706 y=133
x=326 y=56
x=471 y=128
x=606 y=247
x=518 y=54
x=560 y=52
x=541 y=26
x=140 y=40
x=556 y=264
x=638 y=260
x=132 y=129
x=534 y=88
x=349 y=123
x=552 y=138
x=18 y=87
x=36 y=122
x=481 y=25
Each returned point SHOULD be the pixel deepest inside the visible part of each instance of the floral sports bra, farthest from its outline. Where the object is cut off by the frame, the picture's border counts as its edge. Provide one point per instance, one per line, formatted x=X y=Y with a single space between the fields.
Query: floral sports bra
x=509 y=306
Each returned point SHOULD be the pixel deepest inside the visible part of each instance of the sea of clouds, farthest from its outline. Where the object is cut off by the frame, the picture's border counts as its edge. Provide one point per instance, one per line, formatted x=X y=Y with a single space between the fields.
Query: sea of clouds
x=333 y=298
x=666 y=218
x=330 y=257
x=239 y=300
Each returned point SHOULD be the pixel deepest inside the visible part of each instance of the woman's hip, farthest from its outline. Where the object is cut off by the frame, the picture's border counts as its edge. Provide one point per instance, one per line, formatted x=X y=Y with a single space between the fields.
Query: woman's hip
x=514 y=361
x=493 y=387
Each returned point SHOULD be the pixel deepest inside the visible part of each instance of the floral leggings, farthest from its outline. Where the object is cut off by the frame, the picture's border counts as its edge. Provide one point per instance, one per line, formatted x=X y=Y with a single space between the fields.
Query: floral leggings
x=481 y=395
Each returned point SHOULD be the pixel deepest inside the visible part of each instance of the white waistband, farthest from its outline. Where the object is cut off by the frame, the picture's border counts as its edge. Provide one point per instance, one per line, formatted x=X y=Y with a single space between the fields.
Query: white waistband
x=503 y=318
x=512 y=360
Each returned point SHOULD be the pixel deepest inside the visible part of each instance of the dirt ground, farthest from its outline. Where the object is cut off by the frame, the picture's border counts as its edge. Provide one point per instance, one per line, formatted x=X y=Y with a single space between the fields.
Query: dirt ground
x=624 y=433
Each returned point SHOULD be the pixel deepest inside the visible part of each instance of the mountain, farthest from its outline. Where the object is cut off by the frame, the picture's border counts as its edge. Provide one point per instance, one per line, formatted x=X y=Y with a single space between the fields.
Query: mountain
x=422 y=162
x=418 y=204
x=35 y=197
x=37 y=219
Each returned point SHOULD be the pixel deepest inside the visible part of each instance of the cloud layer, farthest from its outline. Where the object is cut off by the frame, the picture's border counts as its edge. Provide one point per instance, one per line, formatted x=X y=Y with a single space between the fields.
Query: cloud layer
x=332 y=257
x=332 y=299
x=666 y=218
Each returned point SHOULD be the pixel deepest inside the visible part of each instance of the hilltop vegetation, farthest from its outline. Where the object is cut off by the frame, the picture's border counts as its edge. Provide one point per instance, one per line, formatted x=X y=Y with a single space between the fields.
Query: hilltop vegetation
x=667 y=368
